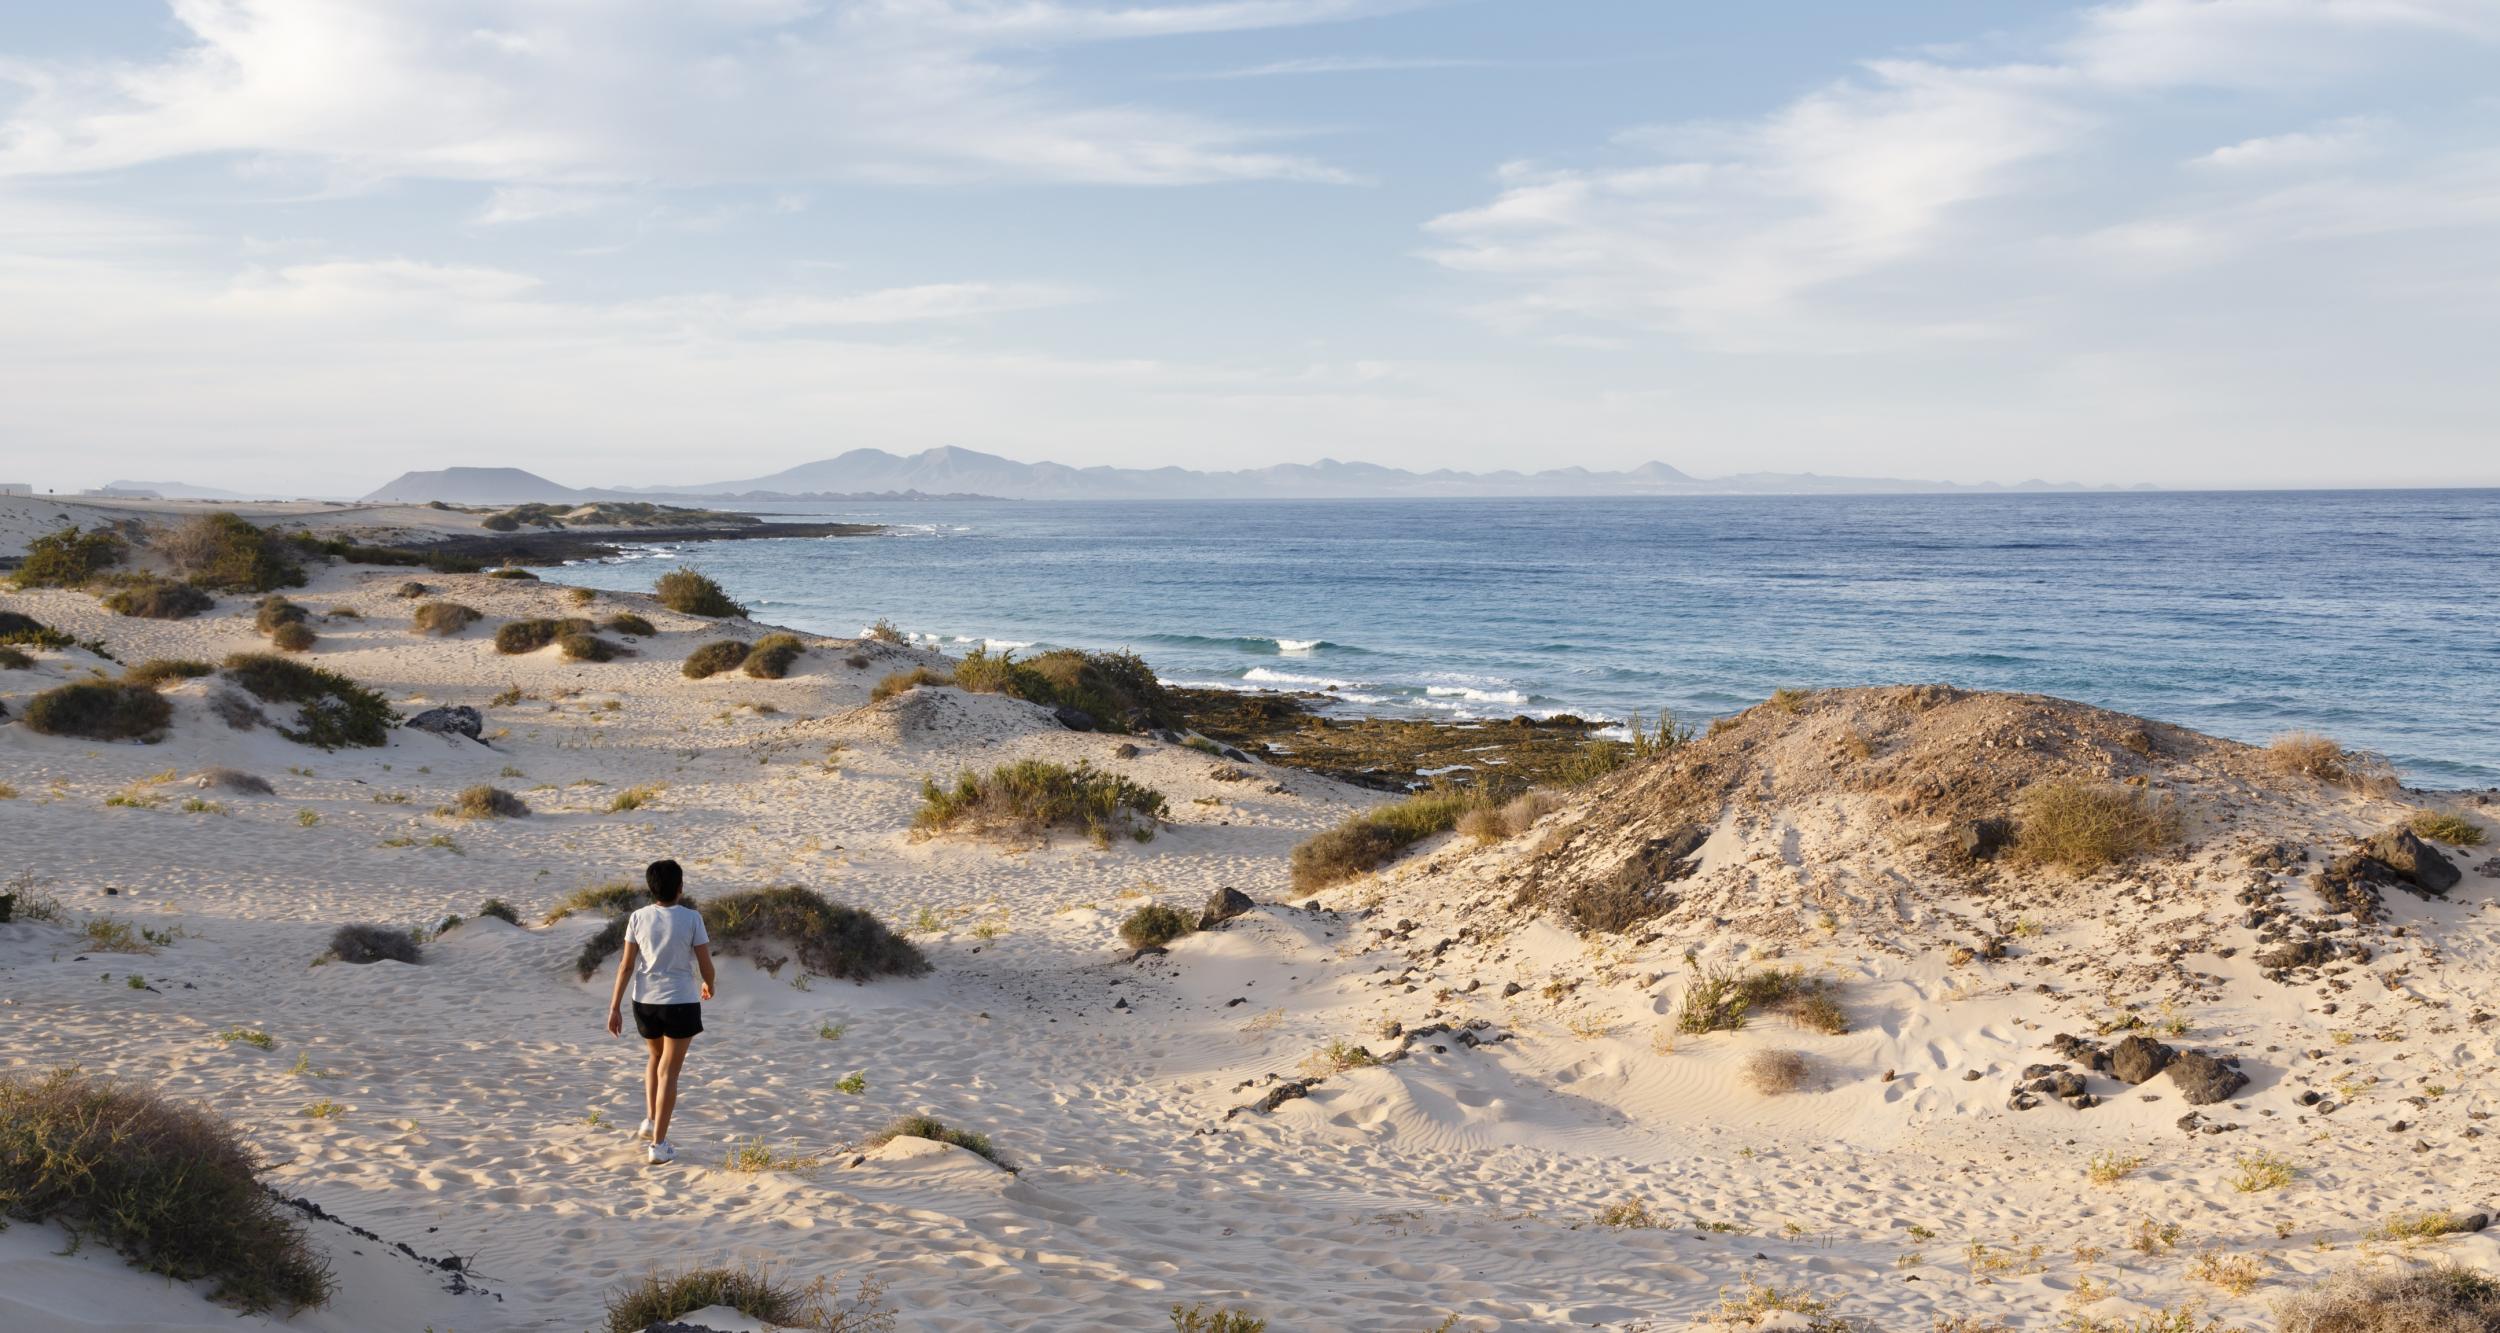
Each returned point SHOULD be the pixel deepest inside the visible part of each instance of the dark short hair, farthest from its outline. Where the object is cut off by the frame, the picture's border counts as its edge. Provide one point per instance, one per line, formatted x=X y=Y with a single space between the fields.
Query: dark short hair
x=666 y=879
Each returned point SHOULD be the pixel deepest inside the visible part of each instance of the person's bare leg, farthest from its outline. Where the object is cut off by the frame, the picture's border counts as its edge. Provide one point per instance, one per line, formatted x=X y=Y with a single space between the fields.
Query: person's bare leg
x=671 y=1062
x=651 y=1083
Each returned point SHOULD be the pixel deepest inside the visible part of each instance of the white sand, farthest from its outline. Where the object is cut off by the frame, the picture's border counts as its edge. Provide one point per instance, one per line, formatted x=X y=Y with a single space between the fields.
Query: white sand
x=1459 y=1181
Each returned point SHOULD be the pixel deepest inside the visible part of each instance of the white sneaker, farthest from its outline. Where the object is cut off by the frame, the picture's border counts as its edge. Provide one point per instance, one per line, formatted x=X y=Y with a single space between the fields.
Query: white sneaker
x=645 y=1131
x=662 y=1152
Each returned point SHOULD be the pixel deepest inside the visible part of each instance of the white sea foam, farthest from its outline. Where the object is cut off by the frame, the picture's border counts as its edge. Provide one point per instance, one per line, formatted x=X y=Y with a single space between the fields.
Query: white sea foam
x=1473 y=695
x=1296 y=681
x=1298 y=647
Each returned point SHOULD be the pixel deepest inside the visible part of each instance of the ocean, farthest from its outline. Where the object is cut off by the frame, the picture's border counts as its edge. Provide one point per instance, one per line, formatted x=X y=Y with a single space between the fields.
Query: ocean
x=2371 y=616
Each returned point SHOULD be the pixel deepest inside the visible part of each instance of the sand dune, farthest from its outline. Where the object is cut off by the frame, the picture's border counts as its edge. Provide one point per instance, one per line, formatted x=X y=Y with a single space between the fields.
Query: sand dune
x=483 y=1114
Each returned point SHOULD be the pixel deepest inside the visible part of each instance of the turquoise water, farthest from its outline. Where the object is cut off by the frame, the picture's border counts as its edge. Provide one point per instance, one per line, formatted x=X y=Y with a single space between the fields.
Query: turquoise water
x=2371 y=616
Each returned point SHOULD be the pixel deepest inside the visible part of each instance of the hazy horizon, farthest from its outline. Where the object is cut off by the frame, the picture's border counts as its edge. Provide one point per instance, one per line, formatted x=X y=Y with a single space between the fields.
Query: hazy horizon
x=301 y=247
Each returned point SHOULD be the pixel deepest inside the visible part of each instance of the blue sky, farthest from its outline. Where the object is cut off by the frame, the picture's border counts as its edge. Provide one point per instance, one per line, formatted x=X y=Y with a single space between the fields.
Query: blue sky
x=312 y=242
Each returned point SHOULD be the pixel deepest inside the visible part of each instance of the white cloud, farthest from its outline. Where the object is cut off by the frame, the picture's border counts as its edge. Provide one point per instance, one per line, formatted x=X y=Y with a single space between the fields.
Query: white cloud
x=2298 y=150
x=1341 y=65
x=634 y=92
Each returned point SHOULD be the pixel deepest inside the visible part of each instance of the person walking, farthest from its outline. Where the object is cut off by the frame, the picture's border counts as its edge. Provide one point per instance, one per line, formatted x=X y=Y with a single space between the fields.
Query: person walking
x=665 y=946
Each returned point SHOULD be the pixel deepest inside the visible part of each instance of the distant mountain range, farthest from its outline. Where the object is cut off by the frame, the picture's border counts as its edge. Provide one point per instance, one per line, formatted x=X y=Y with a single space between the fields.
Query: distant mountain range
x=953 y=473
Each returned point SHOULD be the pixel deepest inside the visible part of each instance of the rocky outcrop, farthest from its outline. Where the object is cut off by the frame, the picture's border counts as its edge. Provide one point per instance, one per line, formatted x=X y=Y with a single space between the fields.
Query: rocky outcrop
x=2203 y=1080
x=1222 y=906
x=457 y=720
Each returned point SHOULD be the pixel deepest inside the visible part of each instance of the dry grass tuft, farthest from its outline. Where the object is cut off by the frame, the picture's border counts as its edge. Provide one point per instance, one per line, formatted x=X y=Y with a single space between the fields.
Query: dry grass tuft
x=293 y=637
x=443 y=618
x=924 y=1127
x=2085 y=826
x=366 y=943
x=1374 y=837
x=2443 y=826
x=1773 y=1072
x=714 y=658
x=2445 y=1299
x=1030 y=797
x=772 y=656
x=485 y=802
x=659 y=1298
x=157 y=673
x=2307 y=754
x=158 y=599
x=1492 y=824
x=913 y=679
x=628 y=624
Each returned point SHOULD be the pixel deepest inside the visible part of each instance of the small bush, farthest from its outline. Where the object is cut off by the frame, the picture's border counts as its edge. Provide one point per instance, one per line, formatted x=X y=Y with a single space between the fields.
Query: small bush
x=606 y=899
x=157 y=673
x=913 y=679
x=884 y=632
x=659 y=1298
x=18 y=627
x=2452 y=829
x=633 y=798
x=99 y=710
x=293 y=638
x=1491 y=824
x=158 y=599
x=411 y=590
x=168 y=1184
x=275 y=611
x=1773 y=1072
x=627 y=623
x=68 y=558
x=830 y=939
x=528 y=636
x=2257 y=1172
x=2084 y=826
x=511 y=572
x=374 y=944
x=1030 y=797
x=485 y=802
x=223 y=551
x=772 y=655
x=14 y=659
x=1198 y=1318
x=688 y=592
x=2307 y=754
x=1112 y=688
x=924 y=1127
x=714 y=658
x=336 y=711
x=442 y=618
x=1156 y=924
x=2444 y=1299
x=500 y=910
x=588 y=648
x=581 y=596
x=1368 y=840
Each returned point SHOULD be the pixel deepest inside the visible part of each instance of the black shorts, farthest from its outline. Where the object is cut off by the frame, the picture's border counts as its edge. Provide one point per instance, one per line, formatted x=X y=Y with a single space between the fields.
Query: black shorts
x=655 y=1021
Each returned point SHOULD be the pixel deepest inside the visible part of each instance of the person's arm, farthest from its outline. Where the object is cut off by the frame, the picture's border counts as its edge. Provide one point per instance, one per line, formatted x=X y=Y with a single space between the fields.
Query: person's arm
x=616 y=994
x=703 y=960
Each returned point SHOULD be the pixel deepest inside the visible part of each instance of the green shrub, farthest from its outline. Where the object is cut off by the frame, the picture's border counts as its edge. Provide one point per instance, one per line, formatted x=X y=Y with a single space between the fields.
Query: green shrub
x=2441 y=826
x=224 y=552
x=772 y=655
x=714 y=658
x=374 y=944
x=512 y=572
x=336 y=710
x=168 y=1184
x=926 y=1127
x=500 y=523
x=1115 y=689
x=615 y=899
x=884 y=632
x=99 y=710
x=587 y=647
x=828 y=938
x=68 y=558
x=443 y=618
x=913 y=679
x=659 y=1298
x=500 y=910
x=411 y=590
x=1029 y=797
x=1155 y=924
x=293 y=637
x=1198 y=1318
x=528 y=636
x=14 y=659
x=18 y=627
x=1372 y=838
x=626 y=622
x=154 y=674
x=275 y=611
x=158 y=599
x=2085 y=826
x=688 y=592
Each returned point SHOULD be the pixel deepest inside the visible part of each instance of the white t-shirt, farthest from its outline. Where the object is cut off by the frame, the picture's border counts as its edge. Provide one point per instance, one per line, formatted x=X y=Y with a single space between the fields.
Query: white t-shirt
x=664 y=968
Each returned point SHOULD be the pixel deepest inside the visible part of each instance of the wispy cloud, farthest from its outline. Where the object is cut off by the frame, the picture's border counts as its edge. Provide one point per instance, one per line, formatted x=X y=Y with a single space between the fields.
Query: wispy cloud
x=1341 y=65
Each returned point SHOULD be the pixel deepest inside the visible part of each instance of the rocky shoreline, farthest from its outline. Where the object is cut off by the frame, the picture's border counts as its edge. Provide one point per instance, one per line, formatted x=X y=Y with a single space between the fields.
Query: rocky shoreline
x=1386 y=753
x=554 y=547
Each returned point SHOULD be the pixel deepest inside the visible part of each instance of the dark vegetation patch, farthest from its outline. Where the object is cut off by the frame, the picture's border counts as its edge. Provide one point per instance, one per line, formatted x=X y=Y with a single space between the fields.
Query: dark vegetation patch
x=528 y=636
x=293 y=637
x=657 y=1299
x=828 y=938
x=1117 y=691
x=689 y=592
x=158 y=599
x=367 y=943
x=514 y=573
x=68 y=558
x=18 y=627
x=1030 y=797
x=902 y=681
x=159 y=672
x=500 y=910
x=714 y=658
x=626 y=622
x=1156 y=924
x=443 y=618
x=274 y=611
x=488 y=802
x=337 y=711
x=587 y=647
x=224 y=552
x=772 y=656
x=613 y=514
x=14 y=659
x=1371 y=838
x=1393 y=754
x=99 y=710
x=168 y=1184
